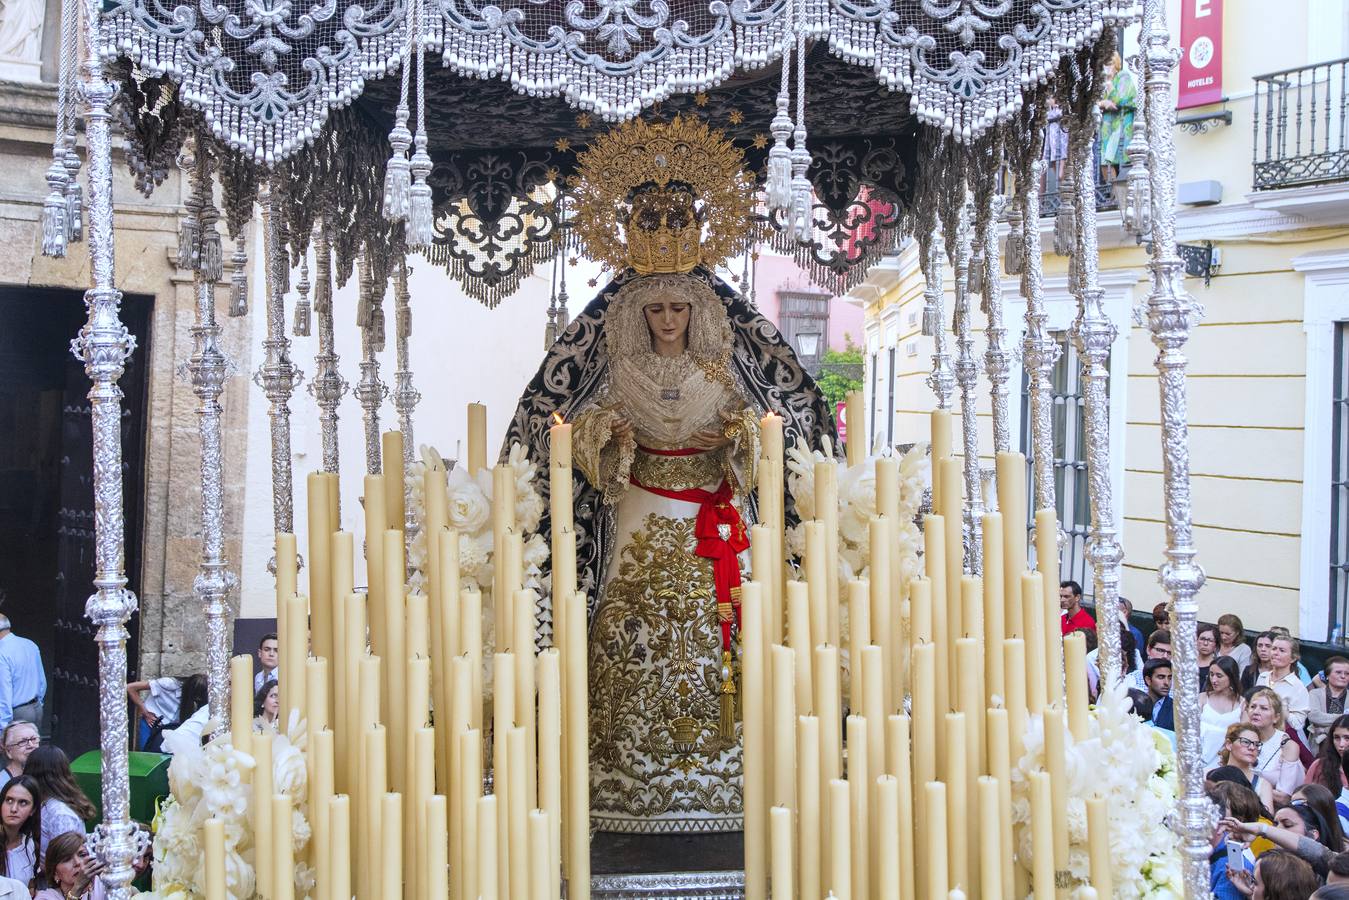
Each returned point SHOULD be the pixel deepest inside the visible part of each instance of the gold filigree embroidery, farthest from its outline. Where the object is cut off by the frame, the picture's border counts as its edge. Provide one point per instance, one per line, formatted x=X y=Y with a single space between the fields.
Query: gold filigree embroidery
x=604 y=462
x=658 y=761
x=742 y=456
x=676 y=473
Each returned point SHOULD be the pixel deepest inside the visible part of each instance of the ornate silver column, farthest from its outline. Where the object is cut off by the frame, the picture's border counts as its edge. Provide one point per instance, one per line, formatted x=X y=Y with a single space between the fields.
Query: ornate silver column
x=104 y=344
x=370 y=390
x=1093 y=334
x=200 y=250
x=967 y=376
x=327 y=387
x=405 y=396
x=941 y=379
x=1170 y=313
x=277 y=376
x=1039 y=351
x=997 y=357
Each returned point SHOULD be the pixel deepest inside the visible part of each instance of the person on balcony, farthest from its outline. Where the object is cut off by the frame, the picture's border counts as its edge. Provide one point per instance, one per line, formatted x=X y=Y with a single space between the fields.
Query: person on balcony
x=1117 y=117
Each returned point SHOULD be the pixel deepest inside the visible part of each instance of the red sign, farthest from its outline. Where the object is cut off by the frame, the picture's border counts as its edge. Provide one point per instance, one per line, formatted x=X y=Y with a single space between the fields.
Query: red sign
x=1201 y=62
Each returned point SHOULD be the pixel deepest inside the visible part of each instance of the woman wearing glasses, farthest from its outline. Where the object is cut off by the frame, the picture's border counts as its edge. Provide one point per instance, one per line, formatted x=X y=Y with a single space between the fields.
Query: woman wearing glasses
x=1241 y=750
x=20 y=739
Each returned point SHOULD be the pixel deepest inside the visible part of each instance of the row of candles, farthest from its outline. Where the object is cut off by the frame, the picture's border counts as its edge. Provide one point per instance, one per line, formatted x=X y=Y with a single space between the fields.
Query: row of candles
x=877 y=801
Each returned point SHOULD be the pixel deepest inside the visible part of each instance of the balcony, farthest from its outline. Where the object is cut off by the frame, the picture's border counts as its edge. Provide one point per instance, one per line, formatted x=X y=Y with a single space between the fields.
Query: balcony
x=1050 y=201
x=1301 y=125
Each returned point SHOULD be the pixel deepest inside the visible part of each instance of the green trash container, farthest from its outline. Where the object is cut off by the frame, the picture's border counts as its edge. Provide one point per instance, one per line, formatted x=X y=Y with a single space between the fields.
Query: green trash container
x=149 y=782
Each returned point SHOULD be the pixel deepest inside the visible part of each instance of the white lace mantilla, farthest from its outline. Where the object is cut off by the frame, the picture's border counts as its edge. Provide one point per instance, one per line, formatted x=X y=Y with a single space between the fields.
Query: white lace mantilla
x=267 y=73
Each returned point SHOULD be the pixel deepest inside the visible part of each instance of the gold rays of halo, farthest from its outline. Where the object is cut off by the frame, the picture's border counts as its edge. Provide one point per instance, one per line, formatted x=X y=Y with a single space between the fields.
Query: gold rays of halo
x=682 y=151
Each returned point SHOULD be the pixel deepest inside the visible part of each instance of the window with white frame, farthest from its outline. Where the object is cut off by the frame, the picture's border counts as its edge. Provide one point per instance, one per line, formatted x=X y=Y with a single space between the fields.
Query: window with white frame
x=1339 y=483
x=890 y=403
x=1068 y=421
x=871 y=435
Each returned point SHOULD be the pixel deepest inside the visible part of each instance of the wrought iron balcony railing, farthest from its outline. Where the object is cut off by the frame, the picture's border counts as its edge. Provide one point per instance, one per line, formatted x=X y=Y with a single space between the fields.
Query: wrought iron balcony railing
x=1302 y=126
x=1050 y=201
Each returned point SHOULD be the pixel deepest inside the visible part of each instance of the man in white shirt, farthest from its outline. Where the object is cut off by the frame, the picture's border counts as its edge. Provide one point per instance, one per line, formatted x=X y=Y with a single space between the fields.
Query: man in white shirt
x=1159 y=647
x=1282 y=677
x=23 y=682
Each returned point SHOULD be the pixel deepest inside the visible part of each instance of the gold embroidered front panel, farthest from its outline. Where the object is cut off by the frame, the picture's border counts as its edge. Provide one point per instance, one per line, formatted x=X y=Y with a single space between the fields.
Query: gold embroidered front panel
x=658 y=762
x=677 y=473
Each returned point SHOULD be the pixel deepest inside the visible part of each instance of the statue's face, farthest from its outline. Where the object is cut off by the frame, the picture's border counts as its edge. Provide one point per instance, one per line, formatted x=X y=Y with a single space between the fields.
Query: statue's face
x=668 y=319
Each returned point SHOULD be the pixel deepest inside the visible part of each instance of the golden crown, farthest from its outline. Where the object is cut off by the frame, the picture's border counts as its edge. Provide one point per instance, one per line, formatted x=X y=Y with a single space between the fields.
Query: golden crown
x=663 y=197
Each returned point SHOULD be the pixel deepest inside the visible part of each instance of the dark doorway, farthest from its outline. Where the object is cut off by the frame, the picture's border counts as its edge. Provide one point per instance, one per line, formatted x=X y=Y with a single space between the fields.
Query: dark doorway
x=46 y=493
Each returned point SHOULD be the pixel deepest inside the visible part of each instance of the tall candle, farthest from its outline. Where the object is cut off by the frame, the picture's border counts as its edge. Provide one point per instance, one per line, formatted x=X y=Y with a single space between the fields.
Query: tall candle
x=445 y=648
x=1042 y=835
x=241 y=702
x=391 y=843
x=1000 y=768
x=799 y=637
x=287 y=567
x=1057 y=765
x=262 y=816
x=503 y=584
x=342 y=703
x=753 y=684
x=953 y=519
x=523 y=646
x=1032 y=602
x=827 y=704
x=394 y=500
x=339 y=858
x=873 y=698
x=925 y=715
x=934 y=566
x=469 y=834
x=517 y=813
x=972 y=705
x=826 y=511
x=559 y=476
x=1075 y=680
x=990 y=839
x=840 y=839
x=213 y=831
x=934 y=793
x=376 y=523
x=859 y=786
x=855 y=418
x=818 y=576
x=1011 y=468
x=784 y=864
x=993 y=606
x=762 y=561
x=1014 y=680
x=354 y=638
x=576 y=835
x=320 y=564
x=477 y=437
x=488 y=864
x=859 y=636
x=395 y=660
x=564 y=564
x=417 y=628
x=316 y=694
x=1098 y=842
x=901 y=773
x=1047 y=562
x=421 y=784
x=784 y=727
x=550 y=747
x=470 y=642
x=376 y=783
x=503 y=720
x=810 y=834
x=956 y=780
x=941 y=435
x=296 y=641
x=283 y=849
x=436 y=877
x=320 y=790
x=541 y=872
x=881 y=597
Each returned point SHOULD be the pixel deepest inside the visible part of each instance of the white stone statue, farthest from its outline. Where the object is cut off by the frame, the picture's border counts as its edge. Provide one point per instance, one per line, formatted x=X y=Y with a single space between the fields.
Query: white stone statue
x=21 y=39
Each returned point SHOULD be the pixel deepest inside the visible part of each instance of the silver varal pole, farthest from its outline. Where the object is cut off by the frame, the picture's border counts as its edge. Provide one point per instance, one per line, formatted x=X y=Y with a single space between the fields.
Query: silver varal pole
x=370 y=390
x=940 y=379
x=1170 y=314
x=405 y=396
x=1094 y=334
x=967 y=376
x=327 y=387
x=997 y=356
x=208 y=369
x=104 y=345
x=278 y=375
x=1039 y=351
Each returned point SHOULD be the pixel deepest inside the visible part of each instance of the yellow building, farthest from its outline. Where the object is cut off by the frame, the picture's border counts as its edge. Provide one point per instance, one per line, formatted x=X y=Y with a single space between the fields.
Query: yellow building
x=1264 y=177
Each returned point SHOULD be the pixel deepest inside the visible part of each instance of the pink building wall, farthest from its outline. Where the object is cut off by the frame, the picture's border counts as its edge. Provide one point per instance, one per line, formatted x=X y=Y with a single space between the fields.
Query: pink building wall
x=774 y=272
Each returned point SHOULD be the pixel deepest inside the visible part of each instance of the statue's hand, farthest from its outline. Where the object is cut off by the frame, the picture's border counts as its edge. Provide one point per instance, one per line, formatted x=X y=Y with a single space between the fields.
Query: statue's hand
x=709 y=439
x=621 y=429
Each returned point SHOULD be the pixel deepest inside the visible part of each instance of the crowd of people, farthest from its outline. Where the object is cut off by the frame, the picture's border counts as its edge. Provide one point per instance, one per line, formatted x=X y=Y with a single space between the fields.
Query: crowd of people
x=1274 y=741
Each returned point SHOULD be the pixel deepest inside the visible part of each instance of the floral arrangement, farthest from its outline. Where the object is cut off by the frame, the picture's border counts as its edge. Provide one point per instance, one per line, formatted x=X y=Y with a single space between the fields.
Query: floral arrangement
x=470 y=514
x=212 y=782
x=857 y=504
x=1133 y=766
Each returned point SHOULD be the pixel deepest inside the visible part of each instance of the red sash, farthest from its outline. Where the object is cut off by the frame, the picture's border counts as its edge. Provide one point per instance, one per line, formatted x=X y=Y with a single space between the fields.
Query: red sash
x=721 y=537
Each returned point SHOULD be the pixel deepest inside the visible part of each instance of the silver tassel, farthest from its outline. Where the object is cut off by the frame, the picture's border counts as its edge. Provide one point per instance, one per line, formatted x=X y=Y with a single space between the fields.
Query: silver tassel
x=802 y=202
x=974 y=278
x=74 y=195
x=54 y=207
x=1013 y=259
x=419 y=230
x=397 y=171
x=377 y=328
x=931 y=320
x=212 y=256
x=187 y=243
x=238 y=292
x=780 y=159
x=302 y=318
x=1065 y=228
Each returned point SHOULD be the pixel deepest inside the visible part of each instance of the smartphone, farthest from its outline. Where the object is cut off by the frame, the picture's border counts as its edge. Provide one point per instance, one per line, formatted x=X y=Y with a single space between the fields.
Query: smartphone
x=1235 y=859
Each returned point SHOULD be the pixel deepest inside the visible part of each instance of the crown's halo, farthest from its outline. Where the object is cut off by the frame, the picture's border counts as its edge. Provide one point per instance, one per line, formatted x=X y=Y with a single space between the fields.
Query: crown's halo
x=663 y=197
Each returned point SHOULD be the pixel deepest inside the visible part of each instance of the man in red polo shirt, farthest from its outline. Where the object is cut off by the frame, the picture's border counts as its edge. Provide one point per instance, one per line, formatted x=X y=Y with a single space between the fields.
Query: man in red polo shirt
x=1070 y=602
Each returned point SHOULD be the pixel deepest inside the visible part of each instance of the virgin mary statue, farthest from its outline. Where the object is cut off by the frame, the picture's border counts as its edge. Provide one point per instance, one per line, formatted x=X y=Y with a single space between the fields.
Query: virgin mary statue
x=664 y=376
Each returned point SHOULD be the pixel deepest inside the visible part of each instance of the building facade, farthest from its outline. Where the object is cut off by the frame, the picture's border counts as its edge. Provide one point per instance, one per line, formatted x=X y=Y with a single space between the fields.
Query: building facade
x=1264 y=184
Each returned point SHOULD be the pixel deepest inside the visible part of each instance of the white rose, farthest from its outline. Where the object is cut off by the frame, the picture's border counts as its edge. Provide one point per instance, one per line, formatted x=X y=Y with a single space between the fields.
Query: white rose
x=288 y=770
x=469 y=508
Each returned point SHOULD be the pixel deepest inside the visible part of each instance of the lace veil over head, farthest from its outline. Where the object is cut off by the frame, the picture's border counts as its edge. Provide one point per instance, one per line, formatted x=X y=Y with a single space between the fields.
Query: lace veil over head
x=627 y=334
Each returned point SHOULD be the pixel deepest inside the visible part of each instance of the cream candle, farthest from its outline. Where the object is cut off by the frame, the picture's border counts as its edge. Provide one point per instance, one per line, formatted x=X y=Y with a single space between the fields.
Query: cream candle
x=826 y=511
x=213 y=832
x=810 y=835
x=487 y=848
x=799 y=638
x=241 y=703
x=320 y=564
x=840 y=839
x=375 y=525
x=784 y=727
x=477 y=438
x=283 y=849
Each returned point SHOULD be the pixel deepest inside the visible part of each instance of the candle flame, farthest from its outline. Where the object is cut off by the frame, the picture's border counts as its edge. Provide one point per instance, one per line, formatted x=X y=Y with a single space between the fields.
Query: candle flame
x=557 y=418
